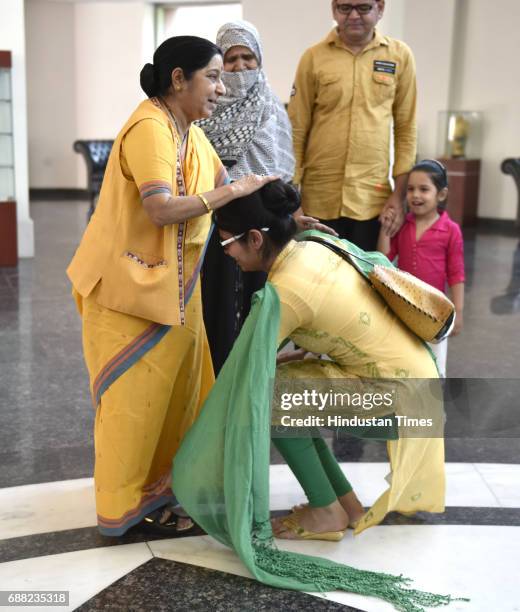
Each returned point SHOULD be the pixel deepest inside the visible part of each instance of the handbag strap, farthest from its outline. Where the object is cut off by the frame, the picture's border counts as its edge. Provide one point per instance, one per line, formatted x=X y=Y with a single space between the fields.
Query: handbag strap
x=343 y=253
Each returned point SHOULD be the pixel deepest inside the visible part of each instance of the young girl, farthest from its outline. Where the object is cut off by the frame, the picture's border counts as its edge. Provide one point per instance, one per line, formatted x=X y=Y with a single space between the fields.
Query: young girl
x=429 y=244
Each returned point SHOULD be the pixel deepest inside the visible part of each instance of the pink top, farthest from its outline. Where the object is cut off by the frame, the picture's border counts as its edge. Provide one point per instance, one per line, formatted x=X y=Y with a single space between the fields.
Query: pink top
x=437 y=257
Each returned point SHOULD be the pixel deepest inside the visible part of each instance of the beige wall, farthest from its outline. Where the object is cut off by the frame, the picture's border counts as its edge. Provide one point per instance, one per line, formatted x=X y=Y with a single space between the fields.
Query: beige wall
x=287 y=28
x=433 y=50
x=486 y=79
x=457 y=68
x=84 y=60
x=109 y=56
x=51 y=94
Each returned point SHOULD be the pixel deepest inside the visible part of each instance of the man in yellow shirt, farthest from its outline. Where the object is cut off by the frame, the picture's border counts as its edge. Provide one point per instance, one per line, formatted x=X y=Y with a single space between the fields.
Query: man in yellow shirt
x=350 y=89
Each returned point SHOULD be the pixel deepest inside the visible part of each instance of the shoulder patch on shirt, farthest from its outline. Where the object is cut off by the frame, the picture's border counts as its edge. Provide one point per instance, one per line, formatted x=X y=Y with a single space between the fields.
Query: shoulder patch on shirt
x=382 y=66
x=293 y=91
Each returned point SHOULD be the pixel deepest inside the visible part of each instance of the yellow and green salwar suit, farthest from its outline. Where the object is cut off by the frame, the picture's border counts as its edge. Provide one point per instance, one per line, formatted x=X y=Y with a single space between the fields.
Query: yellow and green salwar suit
x=316 y=298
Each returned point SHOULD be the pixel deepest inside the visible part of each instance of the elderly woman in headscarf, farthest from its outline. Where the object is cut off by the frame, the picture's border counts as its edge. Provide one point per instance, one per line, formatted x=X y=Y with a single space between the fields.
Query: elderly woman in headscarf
x=251 y=133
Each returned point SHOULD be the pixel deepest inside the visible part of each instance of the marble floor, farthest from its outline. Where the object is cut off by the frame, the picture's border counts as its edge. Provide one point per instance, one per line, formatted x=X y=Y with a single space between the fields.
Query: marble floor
x=48 y=538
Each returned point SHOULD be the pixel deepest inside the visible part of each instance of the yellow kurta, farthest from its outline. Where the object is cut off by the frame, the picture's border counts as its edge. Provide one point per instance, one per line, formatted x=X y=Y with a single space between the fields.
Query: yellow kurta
x=143 y=334
x=328 y=308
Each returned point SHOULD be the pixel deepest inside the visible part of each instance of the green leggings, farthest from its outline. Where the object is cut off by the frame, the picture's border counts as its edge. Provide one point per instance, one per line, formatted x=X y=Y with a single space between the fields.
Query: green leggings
x=315 y=467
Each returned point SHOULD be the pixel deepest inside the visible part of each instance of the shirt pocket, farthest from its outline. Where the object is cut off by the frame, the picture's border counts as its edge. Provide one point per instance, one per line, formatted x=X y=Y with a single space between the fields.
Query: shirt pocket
x=383 y=87
x=331 y=90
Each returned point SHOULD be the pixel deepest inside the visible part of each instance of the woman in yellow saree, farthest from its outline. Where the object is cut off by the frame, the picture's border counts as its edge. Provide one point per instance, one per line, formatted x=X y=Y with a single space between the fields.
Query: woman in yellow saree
x=135 y=279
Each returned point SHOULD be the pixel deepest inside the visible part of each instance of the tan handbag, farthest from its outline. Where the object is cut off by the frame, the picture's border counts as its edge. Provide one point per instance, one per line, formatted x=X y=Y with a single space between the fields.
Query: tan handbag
x=425 y=310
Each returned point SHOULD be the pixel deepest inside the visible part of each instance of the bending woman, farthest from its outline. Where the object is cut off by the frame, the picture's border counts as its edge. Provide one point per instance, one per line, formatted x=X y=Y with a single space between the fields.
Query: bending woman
x=327 y=307
x=136 y=282
x=316 y=298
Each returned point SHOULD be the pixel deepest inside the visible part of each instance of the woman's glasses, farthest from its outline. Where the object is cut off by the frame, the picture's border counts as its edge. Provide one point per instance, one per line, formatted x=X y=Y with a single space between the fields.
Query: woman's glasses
x=361 y=9
x=224 y=243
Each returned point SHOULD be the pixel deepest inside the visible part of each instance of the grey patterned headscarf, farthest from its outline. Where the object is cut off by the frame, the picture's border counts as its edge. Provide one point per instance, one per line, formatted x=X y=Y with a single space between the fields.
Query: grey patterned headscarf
x=250 y=126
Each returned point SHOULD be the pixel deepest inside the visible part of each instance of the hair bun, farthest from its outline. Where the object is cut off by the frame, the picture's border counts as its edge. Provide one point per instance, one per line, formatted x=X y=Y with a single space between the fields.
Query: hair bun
x=281 y=198
x=148 y=80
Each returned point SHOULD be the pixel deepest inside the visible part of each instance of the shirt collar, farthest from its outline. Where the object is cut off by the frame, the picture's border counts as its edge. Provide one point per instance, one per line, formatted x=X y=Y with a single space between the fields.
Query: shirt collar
x=378 y=40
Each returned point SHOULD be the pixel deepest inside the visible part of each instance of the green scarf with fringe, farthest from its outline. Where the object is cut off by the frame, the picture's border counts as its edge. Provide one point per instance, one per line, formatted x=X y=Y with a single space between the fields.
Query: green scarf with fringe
x=221 y=474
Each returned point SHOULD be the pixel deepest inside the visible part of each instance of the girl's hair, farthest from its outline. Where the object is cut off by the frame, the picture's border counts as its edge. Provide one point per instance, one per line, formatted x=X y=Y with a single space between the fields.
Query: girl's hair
x=435 y=170
x=190 y=53
x=271 y=206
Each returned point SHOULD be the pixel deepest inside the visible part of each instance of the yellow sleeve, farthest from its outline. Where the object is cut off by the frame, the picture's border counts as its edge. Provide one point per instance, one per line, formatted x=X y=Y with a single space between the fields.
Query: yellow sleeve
x=149 y=156
x=295 y=304
x=300 y=110
x=221 y=175
x=289 y=321
x=404 y=112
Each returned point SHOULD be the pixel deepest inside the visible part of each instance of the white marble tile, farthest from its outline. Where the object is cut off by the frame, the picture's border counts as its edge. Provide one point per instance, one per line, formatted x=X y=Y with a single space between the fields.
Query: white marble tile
x=504 y=482
x=464 y=485
x=50 y=506
x=83 y=573
x=470 y=561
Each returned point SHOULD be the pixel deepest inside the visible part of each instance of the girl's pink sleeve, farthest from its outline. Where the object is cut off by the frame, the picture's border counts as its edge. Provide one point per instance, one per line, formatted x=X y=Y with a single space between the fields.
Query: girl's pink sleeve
x=455 y=259
x=394 y=247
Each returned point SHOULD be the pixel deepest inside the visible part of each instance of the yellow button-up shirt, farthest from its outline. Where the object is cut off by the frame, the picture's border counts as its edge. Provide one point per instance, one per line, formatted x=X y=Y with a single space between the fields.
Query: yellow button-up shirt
x=342 y=106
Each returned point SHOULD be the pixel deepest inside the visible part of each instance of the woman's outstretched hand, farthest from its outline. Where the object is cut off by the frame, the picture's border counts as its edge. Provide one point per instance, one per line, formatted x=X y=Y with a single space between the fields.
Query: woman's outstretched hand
x=288 y=356
x=250 y=183
x=307 y=223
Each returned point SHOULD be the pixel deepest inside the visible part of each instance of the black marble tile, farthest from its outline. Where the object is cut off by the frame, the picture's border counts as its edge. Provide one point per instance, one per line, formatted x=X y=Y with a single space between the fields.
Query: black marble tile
x=72 y=540
x=454 y=515
x=161 y=585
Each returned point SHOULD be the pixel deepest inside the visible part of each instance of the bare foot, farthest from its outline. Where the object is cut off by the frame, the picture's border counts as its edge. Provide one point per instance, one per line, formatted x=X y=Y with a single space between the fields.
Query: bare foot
x=352 y=506
x=318 y=520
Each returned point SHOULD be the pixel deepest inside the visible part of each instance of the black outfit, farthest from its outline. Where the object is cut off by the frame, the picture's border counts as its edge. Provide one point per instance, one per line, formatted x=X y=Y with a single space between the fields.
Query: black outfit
x=363 y=234
x=226 y=299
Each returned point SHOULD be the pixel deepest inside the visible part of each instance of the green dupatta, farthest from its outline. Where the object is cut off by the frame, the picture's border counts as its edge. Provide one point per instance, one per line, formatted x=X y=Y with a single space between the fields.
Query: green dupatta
x=221 y=474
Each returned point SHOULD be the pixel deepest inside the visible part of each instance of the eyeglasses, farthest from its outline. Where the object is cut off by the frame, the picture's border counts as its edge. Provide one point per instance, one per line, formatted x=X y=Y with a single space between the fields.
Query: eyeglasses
x=361 y=9
x=224 y=243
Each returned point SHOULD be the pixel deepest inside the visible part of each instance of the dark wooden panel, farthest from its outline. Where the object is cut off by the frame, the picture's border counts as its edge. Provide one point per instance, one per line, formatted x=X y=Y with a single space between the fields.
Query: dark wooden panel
x=8 y=239
x=464 y=182
x=5 y=59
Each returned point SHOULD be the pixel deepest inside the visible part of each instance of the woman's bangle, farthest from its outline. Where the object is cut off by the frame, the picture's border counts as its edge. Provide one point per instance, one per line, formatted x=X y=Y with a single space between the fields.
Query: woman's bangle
x=205 y=202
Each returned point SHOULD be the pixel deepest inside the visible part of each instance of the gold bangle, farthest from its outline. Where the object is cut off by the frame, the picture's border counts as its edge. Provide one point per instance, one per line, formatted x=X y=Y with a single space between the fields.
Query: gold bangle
x=205 y=202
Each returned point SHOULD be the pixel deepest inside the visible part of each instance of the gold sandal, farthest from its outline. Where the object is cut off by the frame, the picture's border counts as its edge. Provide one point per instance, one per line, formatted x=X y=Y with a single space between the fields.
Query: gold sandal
x=292 y=524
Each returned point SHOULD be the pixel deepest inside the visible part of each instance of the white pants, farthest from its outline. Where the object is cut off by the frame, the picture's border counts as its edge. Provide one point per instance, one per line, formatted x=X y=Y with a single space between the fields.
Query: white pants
x=440 y=351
